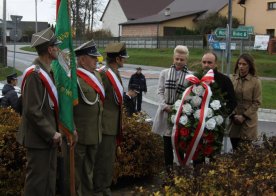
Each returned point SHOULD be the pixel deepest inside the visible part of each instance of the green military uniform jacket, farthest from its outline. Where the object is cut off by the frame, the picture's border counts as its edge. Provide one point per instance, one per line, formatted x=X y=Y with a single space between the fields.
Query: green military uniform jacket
x=112 y=111
x=38 y=124
x=88 y=115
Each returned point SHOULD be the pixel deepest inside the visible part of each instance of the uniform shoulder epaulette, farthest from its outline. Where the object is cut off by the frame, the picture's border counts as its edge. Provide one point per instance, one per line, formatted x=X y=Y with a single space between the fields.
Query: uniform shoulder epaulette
x=37 y=68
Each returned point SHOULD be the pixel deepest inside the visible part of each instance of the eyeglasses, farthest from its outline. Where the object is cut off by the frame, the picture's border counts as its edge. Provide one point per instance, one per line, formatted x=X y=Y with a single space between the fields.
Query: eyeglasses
x=208 y=62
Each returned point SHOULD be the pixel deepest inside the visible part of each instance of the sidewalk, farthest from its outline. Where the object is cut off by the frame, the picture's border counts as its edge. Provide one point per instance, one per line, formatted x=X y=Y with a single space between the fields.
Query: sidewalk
x=152 y=73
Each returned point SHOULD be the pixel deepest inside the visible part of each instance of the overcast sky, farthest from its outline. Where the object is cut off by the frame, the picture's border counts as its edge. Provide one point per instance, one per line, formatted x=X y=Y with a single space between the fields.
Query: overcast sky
x=46 y=9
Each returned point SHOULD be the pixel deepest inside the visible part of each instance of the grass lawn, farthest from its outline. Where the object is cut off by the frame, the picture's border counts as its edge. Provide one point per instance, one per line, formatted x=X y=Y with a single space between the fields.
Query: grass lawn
x=5 y=71
x=266 y=64
x=268 y=94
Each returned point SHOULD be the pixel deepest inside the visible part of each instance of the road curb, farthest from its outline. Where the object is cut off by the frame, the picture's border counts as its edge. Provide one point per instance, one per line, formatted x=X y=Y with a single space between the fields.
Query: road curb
x=261 y=111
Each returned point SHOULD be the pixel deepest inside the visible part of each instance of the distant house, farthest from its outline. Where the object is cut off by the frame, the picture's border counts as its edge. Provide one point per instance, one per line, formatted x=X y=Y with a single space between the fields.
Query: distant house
x=27 y=27
x=9 y=26
x=261 y=15
x=120 y=11
x=129 y=18
x=176 y=17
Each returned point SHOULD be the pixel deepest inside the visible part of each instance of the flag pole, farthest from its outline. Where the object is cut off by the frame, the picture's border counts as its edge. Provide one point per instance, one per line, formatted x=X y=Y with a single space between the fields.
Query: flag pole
x=72 y=167
x=69 y=136
x=72 y=147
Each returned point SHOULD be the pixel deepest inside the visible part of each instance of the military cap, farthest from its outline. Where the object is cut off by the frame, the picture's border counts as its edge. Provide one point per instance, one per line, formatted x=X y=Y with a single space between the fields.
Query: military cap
x=46 y=37
x=88 y=48
x=116 y=49
x=12 y=76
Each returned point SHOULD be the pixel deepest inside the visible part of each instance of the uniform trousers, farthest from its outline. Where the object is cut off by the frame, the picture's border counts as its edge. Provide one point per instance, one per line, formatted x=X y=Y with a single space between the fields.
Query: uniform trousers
x=84 y=163
x=41 y=172
x=104 y=166
x=139 y=98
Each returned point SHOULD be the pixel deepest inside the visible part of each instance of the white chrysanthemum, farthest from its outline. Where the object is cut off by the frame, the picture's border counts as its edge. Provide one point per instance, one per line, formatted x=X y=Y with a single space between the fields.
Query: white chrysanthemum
x=196 y=101
x=215 y=104
x=183 y=120
x=210 y=113
x=219 y=119
x=210 y=124
x=177 y=104
x=188 y=97
x=187 y=109
x=197 y=114
x=198 y=90
x=173 y=119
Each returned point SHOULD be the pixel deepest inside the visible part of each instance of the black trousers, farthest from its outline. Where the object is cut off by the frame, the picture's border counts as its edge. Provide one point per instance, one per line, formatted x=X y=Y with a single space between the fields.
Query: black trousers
x=139 y=101
x=235 y=142
x=238 y=142
x=168 y=151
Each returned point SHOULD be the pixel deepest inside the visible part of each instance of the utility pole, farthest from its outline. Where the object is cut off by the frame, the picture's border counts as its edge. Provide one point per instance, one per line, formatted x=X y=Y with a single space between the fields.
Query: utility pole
x=228 y=53
x=4 y=25
x=228 y=37
x=3 y=47
x=36 y=16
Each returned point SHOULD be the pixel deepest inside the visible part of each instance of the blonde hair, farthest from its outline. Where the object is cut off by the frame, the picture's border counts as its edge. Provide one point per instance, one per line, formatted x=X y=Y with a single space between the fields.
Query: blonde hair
x=181 y=50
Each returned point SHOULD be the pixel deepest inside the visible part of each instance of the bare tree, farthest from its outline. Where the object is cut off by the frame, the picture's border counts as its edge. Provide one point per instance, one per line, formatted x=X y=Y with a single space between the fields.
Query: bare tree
x=85 y=15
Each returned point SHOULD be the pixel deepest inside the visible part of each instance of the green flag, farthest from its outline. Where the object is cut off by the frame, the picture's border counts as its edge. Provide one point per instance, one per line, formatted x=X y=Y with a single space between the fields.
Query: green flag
x=65 y=70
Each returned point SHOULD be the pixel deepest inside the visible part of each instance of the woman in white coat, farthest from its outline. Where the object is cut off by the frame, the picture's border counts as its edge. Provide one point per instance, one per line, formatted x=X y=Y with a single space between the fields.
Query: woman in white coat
x=170 y=88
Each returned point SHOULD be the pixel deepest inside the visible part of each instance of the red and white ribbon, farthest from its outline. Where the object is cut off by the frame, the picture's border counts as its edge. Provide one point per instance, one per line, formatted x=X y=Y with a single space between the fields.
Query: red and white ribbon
x=101 y=68
x=205 y=81
x=46 y=80
x=117 y=86
x=92 y=81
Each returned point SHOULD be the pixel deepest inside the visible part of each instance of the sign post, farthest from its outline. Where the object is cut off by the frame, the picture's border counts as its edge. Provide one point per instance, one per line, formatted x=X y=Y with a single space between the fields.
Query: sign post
x=16 y=19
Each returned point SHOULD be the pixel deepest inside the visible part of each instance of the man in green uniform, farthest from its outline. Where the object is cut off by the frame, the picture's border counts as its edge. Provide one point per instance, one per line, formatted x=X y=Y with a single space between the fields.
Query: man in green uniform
x=105 y=158
x=39 y=130
x=87 y=116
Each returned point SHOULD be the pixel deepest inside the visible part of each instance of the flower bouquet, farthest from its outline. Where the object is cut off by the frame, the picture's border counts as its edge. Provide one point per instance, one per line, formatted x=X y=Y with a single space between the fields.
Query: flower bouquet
x=198 y=120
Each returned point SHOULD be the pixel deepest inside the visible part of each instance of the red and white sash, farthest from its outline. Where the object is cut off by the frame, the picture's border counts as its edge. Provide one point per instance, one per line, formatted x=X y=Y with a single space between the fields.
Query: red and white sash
x=92 y=81
x=205 y=81
x=46 y=80
x=117 y=86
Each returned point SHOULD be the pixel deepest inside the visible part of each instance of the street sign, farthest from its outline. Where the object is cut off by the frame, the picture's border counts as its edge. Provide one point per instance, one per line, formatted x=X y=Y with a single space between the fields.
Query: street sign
x=249 y=29
x=211 y=38
x=239 y=34
x=236 y=34
x=16 y=18
x=222 y=46
x=15 y=34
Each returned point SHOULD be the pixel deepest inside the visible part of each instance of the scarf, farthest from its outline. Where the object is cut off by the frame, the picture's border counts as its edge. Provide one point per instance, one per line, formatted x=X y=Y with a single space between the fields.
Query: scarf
x=173 y=88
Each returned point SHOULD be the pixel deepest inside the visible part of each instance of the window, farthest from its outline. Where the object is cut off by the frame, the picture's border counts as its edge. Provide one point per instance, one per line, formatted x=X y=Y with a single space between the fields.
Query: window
x=271 y=5
x=270 y=32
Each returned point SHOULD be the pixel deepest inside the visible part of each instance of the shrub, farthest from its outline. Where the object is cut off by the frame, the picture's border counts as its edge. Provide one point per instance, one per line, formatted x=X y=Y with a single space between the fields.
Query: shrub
x=141 y=150
x=12 y=155
x=249 y=171
x=140 y=155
